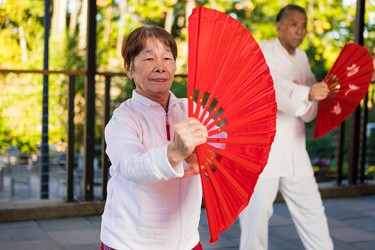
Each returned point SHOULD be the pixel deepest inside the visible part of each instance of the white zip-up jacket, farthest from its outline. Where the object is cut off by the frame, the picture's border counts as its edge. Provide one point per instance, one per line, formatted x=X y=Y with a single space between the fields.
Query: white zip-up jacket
x=288 y=155
x=148 y=205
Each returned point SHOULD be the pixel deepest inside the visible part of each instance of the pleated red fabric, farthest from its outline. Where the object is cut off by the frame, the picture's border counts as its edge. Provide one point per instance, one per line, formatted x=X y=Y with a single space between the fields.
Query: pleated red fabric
x=348 y=81
x=230 y=90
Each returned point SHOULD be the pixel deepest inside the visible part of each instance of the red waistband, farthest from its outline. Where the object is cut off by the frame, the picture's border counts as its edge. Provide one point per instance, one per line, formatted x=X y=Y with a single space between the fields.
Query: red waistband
x=197 y=247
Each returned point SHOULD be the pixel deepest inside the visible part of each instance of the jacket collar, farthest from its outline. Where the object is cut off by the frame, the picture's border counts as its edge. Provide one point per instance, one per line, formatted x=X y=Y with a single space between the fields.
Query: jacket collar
x=281 y=47
x=140 y=99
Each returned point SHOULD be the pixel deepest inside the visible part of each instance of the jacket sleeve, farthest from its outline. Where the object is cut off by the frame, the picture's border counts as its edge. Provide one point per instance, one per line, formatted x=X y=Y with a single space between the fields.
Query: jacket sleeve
x=291 y=98
x=128 y=156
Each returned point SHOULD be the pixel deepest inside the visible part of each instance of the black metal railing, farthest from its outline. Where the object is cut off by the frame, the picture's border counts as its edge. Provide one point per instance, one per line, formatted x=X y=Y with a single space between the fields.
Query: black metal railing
x=356 y=171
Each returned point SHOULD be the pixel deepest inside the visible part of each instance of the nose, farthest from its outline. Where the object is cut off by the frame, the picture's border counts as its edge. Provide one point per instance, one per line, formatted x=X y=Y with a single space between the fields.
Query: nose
x=159 y=69
x=159 y=66
x=301 y=31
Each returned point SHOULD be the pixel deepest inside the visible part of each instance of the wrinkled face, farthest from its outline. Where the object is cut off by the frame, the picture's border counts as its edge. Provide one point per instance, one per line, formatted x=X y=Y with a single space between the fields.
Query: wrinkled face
x=153 y=71
x=292 y=30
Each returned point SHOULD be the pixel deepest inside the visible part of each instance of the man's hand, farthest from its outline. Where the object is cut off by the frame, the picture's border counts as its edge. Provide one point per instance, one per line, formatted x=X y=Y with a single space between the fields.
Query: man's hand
x=318 y=91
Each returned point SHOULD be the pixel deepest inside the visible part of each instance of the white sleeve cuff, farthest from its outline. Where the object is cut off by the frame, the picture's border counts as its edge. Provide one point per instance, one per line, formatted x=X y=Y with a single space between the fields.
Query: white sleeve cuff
x=305 y=104
x=162 y=163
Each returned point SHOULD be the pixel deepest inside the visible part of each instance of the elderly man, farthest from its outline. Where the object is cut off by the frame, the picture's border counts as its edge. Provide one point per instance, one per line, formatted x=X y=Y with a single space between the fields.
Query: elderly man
x=289 y=168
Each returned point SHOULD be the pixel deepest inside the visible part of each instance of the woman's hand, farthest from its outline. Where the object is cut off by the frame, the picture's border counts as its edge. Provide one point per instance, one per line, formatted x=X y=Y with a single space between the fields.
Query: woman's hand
x=187 y=135
x=192 y=160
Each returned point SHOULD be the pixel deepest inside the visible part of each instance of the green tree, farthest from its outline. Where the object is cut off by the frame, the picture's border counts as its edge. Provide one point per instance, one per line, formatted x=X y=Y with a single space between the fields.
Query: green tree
x=330 y=24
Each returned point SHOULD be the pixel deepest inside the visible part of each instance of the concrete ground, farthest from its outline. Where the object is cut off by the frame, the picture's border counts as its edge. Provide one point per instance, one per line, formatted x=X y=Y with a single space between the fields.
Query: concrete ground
x=351 y=222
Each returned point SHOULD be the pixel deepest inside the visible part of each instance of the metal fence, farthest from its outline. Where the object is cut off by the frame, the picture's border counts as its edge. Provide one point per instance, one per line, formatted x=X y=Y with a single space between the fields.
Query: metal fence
x=69 y=174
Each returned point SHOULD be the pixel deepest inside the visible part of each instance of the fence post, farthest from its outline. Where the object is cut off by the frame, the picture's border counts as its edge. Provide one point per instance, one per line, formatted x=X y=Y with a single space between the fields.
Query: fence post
x=70 y=152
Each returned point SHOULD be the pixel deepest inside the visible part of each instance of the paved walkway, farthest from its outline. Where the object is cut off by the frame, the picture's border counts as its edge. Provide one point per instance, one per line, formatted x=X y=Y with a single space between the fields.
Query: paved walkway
x=351 y=221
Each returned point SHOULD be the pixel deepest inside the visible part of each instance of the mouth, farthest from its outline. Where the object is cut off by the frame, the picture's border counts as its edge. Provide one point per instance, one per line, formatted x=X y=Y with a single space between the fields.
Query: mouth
x=159 y=80
x=298 y=40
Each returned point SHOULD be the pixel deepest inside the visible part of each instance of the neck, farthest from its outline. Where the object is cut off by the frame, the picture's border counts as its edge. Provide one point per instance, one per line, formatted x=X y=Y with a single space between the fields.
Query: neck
x=291 y=51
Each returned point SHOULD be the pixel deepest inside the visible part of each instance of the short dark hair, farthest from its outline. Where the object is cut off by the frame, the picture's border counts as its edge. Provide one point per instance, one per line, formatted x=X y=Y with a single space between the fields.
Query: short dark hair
x=136 y=41
x=290 y=7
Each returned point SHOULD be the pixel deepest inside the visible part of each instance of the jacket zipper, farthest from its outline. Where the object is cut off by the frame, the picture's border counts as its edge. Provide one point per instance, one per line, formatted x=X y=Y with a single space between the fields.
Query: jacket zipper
x=167 y=128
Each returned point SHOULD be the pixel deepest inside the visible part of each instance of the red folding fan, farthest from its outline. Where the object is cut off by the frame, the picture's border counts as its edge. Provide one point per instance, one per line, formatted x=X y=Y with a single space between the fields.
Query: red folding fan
x=230 y=90
x=348 y=81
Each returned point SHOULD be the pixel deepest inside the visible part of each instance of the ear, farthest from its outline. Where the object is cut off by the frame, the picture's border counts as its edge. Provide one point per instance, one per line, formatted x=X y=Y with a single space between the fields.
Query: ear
x=278 y=26
x=129 y=71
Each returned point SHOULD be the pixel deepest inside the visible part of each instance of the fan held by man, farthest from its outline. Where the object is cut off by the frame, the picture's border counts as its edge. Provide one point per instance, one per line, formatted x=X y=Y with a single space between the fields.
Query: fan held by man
x=348 y=81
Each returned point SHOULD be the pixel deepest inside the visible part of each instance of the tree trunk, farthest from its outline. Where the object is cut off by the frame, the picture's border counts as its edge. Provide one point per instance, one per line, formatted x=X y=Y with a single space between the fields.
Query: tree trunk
x=23 y=44
x=82 y=26
x=107 y=24
x=190 y=5
x=76 y=5
x=121 y=28
x=169 y=20
x=58 y=17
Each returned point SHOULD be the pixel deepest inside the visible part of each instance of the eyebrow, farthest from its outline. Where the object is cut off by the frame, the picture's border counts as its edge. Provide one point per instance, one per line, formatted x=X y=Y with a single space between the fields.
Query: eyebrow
x=150 y=50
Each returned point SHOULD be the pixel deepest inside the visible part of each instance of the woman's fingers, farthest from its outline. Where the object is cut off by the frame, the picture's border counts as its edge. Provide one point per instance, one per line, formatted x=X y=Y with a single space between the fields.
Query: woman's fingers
x=192 y=170
x=187 y=135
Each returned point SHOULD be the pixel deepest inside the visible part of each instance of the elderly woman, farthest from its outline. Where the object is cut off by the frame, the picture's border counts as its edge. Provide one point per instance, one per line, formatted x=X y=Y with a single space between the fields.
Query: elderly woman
x=154 y=194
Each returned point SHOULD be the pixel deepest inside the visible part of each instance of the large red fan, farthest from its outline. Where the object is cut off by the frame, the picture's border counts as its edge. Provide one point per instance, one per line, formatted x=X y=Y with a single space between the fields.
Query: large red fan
x=230 y=90
x=348 y=81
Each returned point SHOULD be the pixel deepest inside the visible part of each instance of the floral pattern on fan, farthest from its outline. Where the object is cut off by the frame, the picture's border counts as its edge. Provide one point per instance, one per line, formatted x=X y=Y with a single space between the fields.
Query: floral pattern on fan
x=352 y=87
x=336 y=109
x=353 y=69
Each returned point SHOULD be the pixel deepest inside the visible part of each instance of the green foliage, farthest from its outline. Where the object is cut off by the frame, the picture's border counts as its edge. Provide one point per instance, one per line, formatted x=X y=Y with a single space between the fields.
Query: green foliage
x=370 y=172
x=179 y=87
x=22 y=94
x=370 y=159
x=330 y=23
x=20 y=117
x=12 y=54
x=324 y=147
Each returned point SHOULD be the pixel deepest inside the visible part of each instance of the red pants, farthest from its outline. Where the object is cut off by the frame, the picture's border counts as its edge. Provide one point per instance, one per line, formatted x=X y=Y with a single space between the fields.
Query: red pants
x=197 y=247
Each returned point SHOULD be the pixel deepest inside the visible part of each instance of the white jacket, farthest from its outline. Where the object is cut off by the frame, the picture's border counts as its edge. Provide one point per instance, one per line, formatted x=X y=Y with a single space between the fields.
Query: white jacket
x=288 y=154
x=148 y=205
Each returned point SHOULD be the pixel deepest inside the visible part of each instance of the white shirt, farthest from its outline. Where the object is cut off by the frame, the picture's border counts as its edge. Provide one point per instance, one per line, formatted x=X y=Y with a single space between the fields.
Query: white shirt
x=288 y=155
x=148 y=205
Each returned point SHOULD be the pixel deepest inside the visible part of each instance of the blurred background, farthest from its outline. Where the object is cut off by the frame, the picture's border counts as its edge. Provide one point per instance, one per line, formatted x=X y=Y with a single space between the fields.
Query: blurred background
x=27 y=97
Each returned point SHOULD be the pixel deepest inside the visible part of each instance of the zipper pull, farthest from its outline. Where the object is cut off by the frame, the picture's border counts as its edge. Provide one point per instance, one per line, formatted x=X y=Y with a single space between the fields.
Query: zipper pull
x=167 y=128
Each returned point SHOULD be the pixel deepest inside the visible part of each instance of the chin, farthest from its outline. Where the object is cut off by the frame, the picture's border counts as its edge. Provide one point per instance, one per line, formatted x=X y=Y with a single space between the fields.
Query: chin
x=297 y=44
